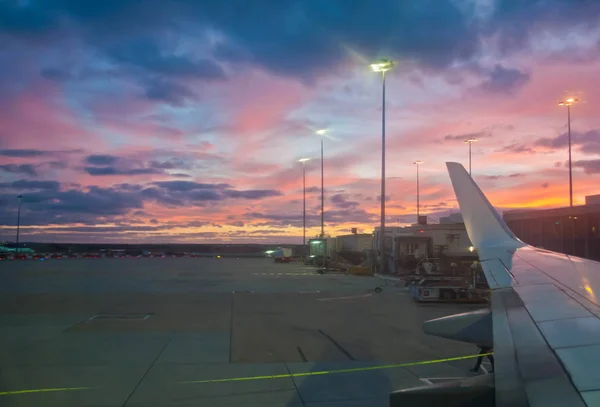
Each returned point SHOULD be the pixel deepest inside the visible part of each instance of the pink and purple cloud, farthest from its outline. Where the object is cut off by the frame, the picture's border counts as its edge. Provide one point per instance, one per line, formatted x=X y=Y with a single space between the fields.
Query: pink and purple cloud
x=187 y=124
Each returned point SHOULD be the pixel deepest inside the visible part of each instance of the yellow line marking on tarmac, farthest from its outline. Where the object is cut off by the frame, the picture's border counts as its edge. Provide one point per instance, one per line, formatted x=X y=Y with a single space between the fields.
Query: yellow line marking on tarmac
x=326 y=372
x=29 y=391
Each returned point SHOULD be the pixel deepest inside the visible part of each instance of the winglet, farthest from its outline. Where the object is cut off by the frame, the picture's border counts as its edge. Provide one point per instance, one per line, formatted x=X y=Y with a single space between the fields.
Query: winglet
x=484 y=225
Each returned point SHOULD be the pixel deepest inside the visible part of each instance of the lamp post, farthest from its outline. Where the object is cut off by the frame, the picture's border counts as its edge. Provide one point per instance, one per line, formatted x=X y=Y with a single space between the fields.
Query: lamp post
x=470 y=141
x=568 y=102
x=20 y=197
x=382 y=66
x=303 y=161
x=417 y=163
x=322 y=133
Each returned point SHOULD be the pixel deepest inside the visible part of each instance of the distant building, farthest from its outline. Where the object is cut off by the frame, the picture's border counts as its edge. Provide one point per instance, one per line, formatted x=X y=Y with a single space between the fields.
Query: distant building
x=570 y=230
x=22 y=250
x=356 y=242
x=452 y=218
x=406 y=246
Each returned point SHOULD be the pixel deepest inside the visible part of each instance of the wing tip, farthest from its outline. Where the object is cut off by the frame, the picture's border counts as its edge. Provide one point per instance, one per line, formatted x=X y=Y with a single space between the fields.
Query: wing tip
x=454 y=166
x=484 y=224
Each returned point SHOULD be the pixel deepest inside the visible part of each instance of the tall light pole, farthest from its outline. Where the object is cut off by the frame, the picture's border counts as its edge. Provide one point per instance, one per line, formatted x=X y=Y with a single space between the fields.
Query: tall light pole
x=568 y=102
x=470 y=141
x=20 y=197
x=322 y=133
x=418 y=162
x=382 y=66
x=303 y=161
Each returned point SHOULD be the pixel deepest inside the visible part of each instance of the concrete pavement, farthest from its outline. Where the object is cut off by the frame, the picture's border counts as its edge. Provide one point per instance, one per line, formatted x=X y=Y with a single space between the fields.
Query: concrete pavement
x=161 y=322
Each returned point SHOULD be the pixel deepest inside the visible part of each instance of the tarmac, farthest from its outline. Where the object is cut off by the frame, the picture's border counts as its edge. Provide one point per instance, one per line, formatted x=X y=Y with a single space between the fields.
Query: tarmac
x=143 y=332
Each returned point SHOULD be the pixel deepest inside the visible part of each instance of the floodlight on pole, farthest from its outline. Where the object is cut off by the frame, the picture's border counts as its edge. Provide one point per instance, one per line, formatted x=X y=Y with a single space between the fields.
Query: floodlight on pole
x=417 y=163
x=322 y=132
x=20 y=197
x=382 y=66
x=470 y=141
x=568 y=103
x=304 y=161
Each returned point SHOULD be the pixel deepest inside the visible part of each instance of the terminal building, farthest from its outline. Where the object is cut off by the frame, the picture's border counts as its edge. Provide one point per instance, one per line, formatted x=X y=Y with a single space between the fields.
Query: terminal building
x=571 y=230
x=426 y=240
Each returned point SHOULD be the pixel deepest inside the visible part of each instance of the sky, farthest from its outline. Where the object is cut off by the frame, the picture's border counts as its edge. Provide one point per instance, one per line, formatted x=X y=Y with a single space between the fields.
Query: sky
x=183 y=121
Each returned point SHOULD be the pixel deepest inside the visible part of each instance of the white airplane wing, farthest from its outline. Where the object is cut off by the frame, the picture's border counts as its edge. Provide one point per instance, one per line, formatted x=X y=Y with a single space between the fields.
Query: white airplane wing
x=545 y=311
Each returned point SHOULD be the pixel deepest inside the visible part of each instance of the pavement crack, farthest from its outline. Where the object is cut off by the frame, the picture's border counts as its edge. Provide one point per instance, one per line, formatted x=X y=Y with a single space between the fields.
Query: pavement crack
x=294 y=383
x=301 y=353
x=337 y=345
x=146 y=372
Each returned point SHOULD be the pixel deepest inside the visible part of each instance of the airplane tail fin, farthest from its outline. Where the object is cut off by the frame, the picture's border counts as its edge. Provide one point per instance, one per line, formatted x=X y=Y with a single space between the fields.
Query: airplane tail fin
x=484 y=225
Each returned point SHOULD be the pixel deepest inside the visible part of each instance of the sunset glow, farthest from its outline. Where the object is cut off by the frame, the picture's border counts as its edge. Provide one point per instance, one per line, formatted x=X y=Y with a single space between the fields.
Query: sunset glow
x=194 y=124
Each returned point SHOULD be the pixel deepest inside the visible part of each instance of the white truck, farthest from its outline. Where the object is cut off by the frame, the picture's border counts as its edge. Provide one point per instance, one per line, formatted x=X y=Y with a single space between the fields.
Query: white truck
x=283 y=255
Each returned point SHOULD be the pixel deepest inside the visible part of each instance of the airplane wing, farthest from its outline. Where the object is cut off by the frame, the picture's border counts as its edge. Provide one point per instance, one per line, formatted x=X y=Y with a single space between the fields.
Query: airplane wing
x=545 y=311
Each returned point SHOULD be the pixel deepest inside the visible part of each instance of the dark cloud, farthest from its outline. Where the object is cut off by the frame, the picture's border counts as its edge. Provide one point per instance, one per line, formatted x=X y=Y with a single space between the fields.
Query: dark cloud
x=514 y=20
x=166 y=165
x=102 y=171
x=313 y=45
x=295 y=38
x=468 y=136
x=589 y=166
x=144 y=52
x=55 y=74
x=22 y=153
x=24 y=184
x=168 y=91
x=182 y=163
x=332 y=218
x=179 y=193
x=101 y=159
x=24 y=169
x=108 y=165
x=204 y=195
x=341 y=201
x=24 y=20
x=496 y=177
x=504 y=80
x=33 y=170
x=156 y=162
x=588 y=142
x=516 y=148
x=155 y=194
x=266 y=232
x=545 y=185
x=55 y=165
x=252 y=194
x=35 y=153
x=237 y=223
x=48 y=205
x=439 y=205
x=181 y=186
x=129 y=187
x=180 y=175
